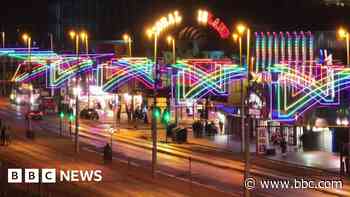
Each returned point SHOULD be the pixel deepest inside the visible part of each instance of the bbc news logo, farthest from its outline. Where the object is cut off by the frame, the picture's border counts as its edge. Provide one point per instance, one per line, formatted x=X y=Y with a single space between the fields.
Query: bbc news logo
x=50 y=175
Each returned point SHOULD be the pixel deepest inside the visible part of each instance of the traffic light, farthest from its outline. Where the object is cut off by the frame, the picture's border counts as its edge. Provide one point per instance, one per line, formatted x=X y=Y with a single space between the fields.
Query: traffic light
x=166 y=116
x=156 y=112
x=71 y=117
x=61 y=115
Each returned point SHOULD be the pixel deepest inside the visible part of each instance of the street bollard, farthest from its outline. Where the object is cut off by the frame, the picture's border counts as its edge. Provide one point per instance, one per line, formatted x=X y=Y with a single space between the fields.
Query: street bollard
x=107 y=154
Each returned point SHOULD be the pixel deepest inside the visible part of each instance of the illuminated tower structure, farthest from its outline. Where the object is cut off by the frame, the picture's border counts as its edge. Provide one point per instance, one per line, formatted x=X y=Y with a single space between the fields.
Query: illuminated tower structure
x=295 y=49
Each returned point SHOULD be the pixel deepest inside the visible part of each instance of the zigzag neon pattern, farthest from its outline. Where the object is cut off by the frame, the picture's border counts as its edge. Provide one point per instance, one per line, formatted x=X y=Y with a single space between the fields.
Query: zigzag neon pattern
x=126 y=69
x=199 y=77
x=57 y=68
x=321 y=89
x=74 y=66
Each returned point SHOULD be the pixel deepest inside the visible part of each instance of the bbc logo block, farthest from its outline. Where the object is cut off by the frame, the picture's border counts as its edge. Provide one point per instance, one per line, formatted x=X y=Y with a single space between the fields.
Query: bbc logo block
x=31 y=175
x=14 y=175
x=48 y=175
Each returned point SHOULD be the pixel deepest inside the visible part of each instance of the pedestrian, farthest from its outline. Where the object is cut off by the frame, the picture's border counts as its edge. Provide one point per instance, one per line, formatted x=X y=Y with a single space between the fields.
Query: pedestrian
x=119 y=112
x=107 y=153
x=145 y=116
x=221 y=126
x=7 y=136
x=206 y=128
x=283 y=145
x=3 y=133
x=347 y=167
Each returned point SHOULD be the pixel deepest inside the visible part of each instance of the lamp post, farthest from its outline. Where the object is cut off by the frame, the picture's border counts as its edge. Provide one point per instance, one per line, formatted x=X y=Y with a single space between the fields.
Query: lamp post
x=51 y=48
x=85 y=40
x=171 y=41
x=28 y=40
x=70 y=119
x=131 y=85
x=241 y=29
x=154 y=118
x=127 y=40
x=61 y=120
x=75 y=36
x=345 y=34
x=164 y=22
x=3 y=39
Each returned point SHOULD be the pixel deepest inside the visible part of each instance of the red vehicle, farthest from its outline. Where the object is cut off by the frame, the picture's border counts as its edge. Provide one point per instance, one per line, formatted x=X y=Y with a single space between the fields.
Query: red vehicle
x=47 y=103
x=35 y=115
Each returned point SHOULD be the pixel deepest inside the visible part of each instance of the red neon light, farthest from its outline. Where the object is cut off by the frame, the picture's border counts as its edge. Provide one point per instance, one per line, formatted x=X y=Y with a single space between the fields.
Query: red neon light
x=218 y=25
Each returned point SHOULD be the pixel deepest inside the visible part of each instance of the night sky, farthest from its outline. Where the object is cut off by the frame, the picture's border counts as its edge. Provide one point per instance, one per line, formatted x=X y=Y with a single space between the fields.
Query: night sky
x=282 y=12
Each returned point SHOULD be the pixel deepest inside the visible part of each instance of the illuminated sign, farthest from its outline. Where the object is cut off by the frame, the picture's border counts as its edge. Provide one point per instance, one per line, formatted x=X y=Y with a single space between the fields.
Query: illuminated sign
x=206 y=17
x=166 y=21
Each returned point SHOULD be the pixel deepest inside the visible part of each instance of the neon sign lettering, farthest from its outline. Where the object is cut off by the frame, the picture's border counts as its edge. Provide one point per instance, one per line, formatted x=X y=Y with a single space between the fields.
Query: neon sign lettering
x=206 y=17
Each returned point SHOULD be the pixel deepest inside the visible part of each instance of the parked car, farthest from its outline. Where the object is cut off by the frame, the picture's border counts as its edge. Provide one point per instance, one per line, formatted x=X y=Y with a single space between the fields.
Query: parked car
x=35 y=115
x=90 y=114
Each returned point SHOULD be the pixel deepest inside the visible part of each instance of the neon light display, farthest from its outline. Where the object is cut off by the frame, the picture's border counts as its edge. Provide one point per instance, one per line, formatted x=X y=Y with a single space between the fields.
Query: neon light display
x=295 y=81
x=283 y=47
x=216 y=23
x=56 y=68
x=269 y=48
x=199 y=77
x=263 y=51
x=257 y=51
x=125 y=69
x=296 y=48
x=273 y=48
x=313 y=89
x=276 y=41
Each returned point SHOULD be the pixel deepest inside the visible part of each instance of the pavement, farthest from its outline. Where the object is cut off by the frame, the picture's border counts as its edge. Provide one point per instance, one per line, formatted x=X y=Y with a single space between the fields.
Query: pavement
x=209 y=167
x=319 y=160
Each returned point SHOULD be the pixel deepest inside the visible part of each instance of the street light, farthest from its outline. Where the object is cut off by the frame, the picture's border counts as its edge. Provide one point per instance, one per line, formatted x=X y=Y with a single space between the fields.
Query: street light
x=235 y=37
x=171 y=41
x=345 y=34
x=28 y=40
x=153 y=33
x=241 y=29
x=127 y=39
x=85 y=40
x=74 y=35
x=164 y=22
